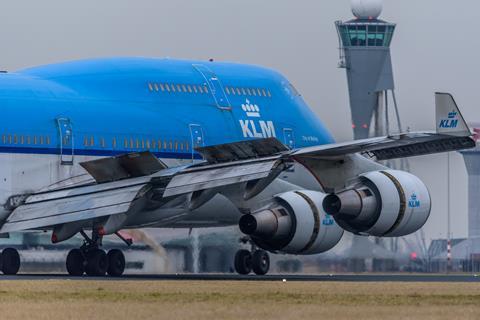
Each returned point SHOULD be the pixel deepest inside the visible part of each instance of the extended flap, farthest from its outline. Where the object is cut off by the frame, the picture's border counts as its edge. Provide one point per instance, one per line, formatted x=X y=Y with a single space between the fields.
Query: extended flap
x=122 y=167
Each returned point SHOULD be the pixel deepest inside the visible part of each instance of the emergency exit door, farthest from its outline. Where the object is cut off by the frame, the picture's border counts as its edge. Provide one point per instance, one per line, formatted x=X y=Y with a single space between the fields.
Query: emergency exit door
x=197 y=138
x=215 y=86
x=65 y=141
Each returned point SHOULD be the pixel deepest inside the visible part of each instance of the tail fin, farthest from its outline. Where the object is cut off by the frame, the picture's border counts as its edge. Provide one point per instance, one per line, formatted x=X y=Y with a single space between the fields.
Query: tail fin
x=449 y=118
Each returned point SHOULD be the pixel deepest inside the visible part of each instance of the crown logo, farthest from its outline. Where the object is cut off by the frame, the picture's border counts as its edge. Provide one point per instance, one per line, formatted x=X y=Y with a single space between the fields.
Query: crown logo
x=452 y=115
x=414 y=196
x=252 y=110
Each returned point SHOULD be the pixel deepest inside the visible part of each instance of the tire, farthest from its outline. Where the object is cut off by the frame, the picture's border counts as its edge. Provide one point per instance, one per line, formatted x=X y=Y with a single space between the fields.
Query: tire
x=116 y=263
x=243 y=262
x=10 y=261
x=261 y=262
x=97 y=263
x=75 y=263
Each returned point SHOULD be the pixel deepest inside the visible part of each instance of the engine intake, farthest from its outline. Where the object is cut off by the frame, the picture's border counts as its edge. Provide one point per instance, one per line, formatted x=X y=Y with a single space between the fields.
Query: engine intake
x=384 y=204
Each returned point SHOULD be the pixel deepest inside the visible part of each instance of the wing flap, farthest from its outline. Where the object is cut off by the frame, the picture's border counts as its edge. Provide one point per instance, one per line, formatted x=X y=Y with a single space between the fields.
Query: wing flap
x=123 y=167
x=195 y=180
x=64 y=209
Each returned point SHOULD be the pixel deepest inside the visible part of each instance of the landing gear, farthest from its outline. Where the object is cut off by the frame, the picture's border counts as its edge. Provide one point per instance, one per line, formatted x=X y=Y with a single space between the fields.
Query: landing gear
x=243 y=262
x=116 y=263
x=261 y=262
x=75 y=263
x=10 y=261
x=93 y=261
x=254 y=260
x=97 y=263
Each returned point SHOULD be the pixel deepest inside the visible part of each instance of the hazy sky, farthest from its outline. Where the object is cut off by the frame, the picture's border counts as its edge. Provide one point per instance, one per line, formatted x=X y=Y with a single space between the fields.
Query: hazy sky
x=435 y=49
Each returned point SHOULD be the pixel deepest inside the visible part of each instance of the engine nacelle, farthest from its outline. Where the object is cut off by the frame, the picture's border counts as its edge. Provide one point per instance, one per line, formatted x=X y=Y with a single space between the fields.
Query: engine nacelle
x=386 y=203
x=297 y=224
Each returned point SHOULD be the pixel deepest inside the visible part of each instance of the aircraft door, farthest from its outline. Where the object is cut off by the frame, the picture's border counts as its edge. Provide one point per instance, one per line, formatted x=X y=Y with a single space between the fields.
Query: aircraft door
x=215 y=86
x=289 y=138
x=66 y=141
x=197 y=137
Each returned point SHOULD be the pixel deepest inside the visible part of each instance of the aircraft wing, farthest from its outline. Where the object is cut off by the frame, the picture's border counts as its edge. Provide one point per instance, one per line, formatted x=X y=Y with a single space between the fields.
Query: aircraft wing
x=452 y=133
x=125 y=183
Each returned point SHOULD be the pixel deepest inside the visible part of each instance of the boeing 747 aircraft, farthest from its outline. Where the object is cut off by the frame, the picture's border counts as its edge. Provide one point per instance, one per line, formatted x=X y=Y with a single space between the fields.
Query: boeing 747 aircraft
x=97 y=146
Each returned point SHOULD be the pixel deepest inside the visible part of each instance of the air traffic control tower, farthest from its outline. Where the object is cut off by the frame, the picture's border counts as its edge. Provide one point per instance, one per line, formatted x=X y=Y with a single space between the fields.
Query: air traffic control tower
x=365 y=54
x=472 y=162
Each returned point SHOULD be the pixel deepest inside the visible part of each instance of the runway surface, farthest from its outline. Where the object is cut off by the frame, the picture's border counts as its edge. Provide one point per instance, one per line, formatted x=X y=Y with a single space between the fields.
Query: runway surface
x=232 y=277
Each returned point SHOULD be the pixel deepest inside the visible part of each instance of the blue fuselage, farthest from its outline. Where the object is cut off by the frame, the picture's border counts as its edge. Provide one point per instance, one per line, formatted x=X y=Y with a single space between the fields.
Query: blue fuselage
x=107 y=107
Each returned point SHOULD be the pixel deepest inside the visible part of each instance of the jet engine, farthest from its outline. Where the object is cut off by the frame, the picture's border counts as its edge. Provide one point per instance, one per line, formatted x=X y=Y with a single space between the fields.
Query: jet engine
x=386 y=203
x=296 y=224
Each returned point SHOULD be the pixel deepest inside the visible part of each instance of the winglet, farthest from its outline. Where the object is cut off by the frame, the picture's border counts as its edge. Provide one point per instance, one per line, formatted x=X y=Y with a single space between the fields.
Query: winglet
x=449 y=118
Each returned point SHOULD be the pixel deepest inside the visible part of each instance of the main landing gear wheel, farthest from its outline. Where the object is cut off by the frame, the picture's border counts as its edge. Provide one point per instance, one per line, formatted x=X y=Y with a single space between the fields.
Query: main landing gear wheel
x=260 y=262
x=116 y=263
x=243 y=262
x=10 y=261
x=75 y=263
x=97 y=263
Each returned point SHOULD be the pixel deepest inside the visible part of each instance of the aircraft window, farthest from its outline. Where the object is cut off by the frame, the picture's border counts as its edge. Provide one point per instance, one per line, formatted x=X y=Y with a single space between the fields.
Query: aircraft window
x=41 y=140
x=254 y=92
x=34 y=139
x=195 y=89
x=165 y=145
x=227 y=90
x=92 y=141
x=187 y=146
x=200 y=89
x=156 y=87
x=294 y=90
x=244 y=92
x=154 y=144
x=238 y=91
x=125 y=143
x=162 y=88
x=131 y=143
x=15 y=139
x=269 y=93
x=28 y=140
x=4 y=139
x=190 y=88
x=181 y=146
x=167 y=87
x=47 y=138
x=137 y=143
x=102 y=142
x=114 y=142
x=147 y=144
x=150 y=87
x=22 y=140
x=143 y=144
x=232 y=90
x=172 y=86
x=264 y=93
x=205 y=89
x=184 y=88
x=176 y=145
x=179 y=88
x=170 y=145
x=259 y=92
x=249 y=92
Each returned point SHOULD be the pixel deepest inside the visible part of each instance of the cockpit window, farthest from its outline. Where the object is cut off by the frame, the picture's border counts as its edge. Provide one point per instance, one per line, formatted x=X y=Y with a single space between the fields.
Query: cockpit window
x=294 y=90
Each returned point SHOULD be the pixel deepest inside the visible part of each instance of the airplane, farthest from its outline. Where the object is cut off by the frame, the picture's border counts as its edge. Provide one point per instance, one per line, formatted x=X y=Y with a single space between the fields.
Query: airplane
x=94 y=147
